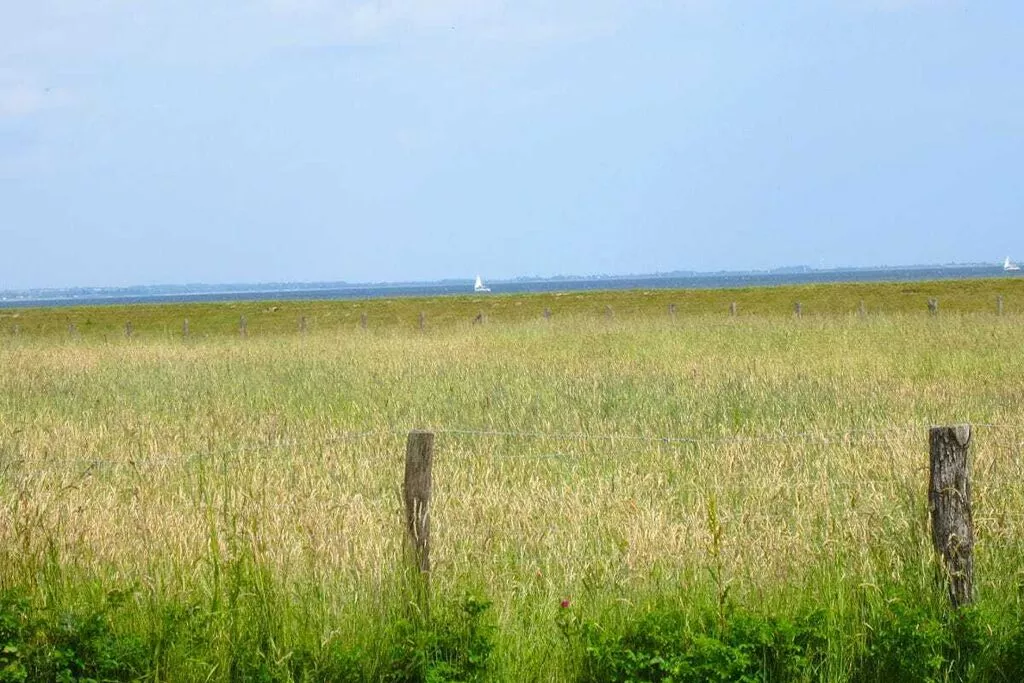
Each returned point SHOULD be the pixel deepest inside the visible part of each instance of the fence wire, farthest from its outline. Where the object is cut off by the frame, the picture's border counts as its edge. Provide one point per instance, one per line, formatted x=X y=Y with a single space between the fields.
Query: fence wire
x=884 y=435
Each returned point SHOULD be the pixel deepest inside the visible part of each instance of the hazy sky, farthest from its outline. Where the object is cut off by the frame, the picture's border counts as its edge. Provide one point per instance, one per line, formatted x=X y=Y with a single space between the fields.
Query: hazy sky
x=171 y=141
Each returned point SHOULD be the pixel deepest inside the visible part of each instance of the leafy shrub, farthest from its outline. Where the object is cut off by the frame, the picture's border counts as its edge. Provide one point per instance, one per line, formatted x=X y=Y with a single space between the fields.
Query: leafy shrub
x=451 y=647
x=905 y=643
x=336 y=661
x=662 y=647
x=1007 y=663
x=920 y=642
x=41 y=645
x=13 y=637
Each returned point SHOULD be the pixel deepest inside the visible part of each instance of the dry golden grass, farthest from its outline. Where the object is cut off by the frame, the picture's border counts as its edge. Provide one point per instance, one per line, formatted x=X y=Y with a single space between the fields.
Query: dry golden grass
x=782 y=460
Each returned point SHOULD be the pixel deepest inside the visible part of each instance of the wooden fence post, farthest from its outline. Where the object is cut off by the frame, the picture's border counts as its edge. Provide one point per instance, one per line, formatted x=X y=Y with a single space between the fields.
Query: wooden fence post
x=672 y=311
x=798 y=309
x=547 y=314
x=128 y=329
x=243 y=327
x=949 y=502
x=362 y=320
x=999 y=305
x=933 y=306
x=419 y=459
x=423 y=321
x=72 y=331
x=862 y=311
x=732 y=309
x=184 y=329
x=302 y=325
x=608 y=312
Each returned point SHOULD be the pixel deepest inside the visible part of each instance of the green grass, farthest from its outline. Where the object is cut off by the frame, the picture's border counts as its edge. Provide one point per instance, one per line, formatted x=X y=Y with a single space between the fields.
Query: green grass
x=283 y=317
x=710 y=494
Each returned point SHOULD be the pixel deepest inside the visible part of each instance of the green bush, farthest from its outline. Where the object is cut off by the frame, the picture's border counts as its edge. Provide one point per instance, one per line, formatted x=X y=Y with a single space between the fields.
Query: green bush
x=1007 y=664
x=14 y=632
x=912 y=642
x=662 y=646
x=65 y=646
x=454 y=646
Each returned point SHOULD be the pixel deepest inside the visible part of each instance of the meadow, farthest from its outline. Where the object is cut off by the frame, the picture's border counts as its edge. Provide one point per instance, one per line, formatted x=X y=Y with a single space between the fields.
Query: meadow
x=104 y=323
x=618 y=495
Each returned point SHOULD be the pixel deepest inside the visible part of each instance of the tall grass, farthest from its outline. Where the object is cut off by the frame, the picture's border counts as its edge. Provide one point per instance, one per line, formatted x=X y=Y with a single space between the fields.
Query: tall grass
x=232 y=508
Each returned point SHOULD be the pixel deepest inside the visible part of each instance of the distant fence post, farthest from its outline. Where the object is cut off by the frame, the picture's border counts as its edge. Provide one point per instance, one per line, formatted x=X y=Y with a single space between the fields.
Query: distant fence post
x=999 y=305
x=362 y=320
x=732 y=310
x=672 y=311
x=608 y=312
x=72 y=331
x=547 y=314
x=798 y=309
x=184 y=329
x=128 y=329
x=302 y=324
x=419 y=460
x=862 y=311
x=243 y=326
x=423 y=321
x=949 y=502
x=933 y=306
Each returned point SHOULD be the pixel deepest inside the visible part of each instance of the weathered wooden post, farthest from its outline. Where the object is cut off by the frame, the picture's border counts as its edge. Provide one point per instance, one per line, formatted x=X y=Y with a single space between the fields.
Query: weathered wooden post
x=419 y=460
x=732 y=310
x=547 y=314
x=128 y=329
x=362 y=320
x=302 y=325
x=423 y=321
x=72 y=331
x=933 y=306
x=862 y=311
x=949 y=502
x=608 y=312
x=479 y=319
x=185 y=329
x=798 y=309
x=243 y=327
x=999 y=305
x=672 y=311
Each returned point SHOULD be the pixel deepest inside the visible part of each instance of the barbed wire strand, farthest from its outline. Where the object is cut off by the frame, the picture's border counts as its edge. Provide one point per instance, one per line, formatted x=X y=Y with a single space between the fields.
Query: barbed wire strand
x=825 y=437
x=836 y=438
x=220 y=458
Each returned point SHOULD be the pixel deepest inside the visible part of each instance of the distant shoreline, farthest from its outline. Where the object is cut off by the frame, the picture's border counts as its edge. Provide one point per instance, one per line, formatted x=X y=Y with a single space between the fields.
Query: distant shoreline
x=432 y=313
x=341 y=291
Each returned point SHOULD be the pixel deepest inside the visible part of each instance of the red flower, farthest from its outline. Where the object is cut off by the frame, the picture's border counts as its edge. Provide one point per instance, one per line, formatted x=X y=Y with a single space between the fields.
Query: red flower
x=565 y=603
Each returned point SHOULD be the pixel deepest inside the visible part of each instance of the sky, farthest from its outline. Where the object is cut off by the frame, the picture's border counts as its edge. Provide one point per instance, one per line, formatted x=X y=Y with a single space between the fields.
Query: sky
x=230 y=141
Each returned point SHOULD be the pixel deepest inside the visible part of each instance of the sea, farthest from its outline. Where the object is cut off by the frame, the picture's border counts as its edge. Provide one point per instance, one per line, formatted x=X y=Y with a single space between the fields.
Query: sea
x=724 y=280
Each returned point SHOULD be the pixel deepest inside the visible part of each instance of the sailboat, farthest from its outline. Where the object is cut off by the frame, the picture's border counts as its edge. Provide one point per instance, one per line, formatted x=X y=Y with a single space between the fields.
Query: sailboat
x=1007 y=265
x=479 y=286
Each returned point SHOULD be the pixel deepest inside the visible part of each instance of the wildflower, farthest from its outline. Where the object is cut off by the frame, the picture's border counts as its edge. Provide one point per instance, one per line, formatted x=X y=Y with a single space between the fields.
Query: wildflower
x=565 y=603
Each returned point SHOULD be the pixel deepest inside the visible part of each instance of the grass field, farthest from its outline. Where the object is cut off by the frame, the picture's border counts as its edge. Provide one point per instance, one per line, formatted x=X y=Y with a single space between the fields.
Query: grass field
x=283 y=317
x=613 y=496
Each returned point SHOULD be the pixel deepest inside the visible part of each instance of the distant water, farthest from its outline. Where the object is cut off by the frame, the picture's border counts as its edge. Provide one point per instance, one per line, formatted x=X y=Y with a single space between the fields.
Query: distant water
x=697 y=281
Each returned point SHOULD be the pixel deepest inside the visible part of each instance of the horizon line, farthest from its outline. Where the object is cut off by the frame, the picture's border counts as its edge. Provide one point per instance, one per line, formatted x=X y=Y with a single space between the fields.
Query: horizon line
x=301 y=285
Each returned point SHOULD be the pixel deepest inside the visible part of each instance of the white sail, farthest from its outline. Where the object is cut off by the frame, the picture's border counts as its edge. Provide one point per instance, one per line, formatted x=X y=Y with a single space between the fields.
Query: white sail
x=479 y=286
x=1010 y=265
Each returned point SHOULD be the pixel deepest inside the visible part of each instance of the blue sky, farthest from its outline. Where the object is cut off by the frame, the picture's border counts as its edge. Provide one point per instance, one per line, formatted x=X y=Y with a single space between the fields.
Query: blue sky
x=171 y=141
